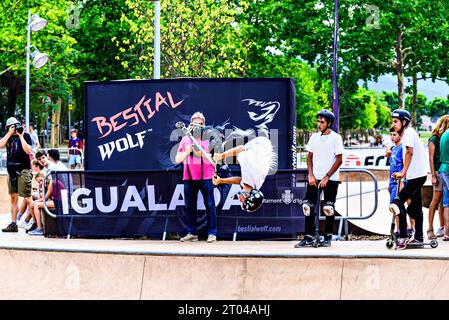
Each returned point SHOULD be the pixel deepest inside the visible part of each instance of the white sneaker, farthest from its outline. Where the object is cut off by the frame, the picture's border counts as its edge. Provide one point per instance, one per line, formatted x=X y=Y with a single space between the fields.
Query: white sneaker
x=22 y=224
x=29 y=224
x=211 y=238
x=189 y=237
x=440 y=232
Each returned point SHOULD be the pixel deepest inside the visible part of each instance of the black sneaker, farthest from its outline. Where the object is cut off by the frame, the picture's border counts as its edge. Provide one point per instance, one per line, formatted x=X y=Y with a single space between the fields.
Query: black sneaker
x=327 y=240
x=33 y=227
x=12 y=227
x=307 y=241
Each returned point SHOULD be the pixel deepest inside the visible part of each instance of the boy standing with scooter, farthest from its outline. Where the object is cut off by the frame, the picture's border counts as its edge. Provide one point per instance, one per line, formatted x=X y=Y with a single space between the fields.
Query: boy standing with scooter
x=416 y=173
x=325 y=149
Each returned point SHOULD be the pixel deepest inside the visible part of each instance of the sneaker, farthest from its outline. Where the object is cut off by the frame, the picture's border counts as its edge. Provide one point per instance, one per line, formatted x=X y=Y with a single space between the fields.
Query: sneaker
x=29 y=225
x=440 y=232
x=31 y=228
x=211 y=238
x=402 y=243
x=394 y=209
x=327 y=241
x=397 y=234
x=36 y=232
x=307 y=241
x=12 y=227
x=189 y=237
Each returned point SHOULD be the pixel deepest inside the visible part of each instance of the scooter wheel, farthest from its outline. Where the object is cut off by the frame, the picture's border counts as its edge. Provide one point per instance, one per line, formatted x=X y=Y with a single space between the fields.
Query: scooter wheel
x=434 y=243
x=389 y=243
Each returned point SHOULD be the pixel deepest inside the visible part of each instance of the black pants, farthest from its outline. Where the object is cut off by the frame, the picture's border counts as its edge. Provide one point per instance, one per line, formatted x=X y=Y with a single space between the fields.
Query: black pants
x=412 y=191
x=330 y=194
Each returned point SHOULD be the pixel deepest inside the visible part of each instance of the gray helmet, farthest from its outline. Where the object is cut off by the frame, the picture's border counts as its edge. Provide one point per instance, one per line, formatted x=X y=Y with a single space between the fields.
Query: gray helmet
x=253 y=201
x=12 y=121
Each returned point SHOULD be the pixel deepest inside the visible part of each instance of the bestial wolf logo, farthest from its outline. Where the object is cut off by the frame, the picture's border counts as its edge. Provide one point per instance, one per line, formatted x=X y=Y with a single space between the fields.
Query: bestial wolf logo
x=122 y=144
x=287 y=197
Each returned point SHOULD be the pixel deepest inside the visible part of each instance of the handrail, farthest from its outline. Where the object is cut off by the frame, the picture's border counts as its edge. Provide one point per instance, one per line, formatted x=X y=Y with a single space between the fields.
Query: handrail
x=43 y=198
x=344 y=219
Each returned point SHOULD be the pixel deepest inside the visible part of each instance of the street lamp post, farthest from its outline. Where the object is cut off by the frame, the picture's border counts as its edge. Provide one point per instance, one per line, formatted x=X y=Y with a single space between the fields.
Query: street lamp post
x=35 y=23
x=157 y=40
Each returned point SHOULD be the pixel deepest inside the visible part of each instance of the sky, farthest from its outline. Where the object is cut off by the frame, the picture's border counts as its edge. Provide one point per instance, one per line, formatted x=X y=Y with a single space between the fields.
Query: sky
x=427 y=87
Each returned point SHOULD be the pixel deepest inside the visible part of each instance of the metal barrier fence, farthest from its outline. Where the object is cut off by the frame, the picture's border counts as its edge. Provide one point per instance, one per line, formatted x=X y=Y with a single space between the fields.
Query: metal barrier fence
x=64 y=154
x=342 y=218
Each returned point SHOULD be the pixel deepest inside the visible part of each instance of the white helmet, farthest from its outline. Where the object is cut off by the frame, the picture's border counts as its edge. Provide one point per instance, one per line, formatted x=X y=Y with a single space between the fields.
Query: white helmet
x=198 y=115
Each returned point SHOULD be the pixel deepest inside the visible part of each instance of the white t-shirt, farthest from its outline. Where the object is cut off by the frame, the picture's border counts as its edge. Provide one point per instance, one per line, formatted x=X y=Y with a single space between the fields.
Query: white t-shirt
x=325 y=148
x=417 y=166
x=34 y=140
x=256 y=161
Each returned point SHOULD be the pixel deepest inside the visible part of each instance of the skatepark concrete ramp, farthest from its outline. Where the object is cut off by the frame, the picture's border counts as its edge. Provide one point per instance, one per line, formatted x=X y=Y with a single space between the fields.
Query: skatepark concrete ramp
x=133 y=269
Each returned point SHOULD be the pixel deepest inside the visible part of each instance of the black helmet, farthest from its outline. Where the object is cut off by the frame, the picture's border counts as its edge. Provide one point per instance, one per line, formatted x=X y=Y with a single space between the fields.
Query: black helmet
x=326 y=114
x=253 y=201
x=401 y=114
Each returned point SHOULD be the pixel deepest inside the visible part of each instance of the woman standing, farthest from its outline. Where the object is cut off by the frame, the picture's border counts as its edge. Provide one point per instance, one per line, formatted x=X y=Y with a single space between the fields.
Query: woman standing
x=435 y=163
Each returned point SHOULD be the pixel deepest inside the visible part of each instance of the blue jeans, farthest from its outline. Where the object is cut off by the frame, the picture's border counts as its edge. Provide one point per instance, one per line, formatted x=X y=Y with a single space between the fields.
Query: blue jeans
x=191 y=188
x=445 y=181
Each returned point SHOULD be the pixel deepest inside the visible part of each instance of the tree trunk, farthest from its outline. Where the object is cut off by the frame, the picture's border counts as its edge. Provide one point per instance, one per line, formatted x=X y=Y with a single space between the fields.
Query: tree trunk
x=400 y=68
x=58 y=123
x=415 y=99
x=53 y=128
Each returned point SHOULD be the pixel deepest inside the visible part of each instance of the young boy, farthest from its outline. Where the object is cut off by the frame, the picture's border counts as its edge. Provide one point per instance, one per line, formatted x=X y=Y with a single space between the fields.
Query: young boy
x=75 y=154
x=396 y=165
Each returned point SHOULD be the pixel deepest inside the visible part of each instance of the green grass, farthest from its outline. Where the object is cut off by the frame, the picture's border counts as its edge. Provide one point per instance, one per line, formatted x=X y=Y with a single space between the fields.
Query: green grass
x=424 y=136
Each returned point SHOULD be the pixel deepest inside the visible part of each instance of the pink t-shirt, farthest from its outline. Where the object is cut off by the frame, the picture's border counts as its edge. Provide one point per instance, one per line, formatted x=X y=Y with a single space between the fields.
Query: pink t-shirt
x=192 y=164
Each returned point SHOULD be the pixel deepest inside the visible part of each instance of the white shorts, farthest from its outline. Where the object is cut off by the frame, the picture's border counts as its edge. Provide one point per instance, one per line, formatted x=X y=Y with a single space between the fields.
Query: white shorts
x=256 y=161
x=74 y=159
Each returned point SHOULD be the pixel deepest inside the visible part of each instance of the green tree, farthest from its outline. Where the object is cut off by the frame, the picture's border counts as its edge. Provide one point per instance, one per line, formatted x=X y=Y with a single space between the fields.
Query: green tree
x=199 y=38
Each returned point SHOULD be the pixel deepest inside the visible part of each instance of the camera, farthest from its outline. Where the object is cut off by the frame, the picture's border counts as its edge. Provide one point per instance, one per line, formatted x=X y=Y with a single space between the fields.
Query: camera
x=18 y=128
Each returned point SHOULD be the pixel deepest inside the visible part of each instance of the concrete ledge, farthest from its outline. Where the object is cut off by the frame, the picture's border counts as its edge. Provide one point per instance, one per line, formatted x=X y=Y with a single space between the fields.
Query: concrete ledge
x=52 y=275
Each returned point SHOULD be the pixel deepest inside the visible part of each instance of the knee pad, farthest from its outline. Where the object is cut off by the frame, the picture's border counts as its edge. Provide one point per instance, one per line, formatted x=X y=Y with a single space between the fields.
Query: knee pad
x=329 y=209
x=395 y=207
x=307 y=208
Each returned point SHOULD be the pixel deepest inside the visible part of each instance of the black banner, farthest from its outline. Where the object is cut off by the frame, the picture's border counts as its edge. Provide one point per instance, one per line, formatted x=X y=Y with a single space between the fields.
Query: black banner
x=137 y=204
x=130 y=125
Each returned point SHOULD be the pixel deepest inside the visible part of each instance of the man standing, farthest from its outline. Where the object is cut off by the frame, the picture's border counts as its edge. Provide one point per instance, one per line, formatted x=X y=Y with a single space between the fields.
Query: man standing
x=415 y=171
x=198 y=174
x=34 y=138
x=324 y=158
x=18 y=148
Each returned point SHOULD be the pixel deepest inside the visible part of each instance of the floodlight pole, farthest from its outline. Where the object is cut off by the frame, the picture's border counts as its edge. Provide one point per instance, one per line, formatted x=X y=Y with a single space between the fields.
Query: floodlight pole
x=27 y=83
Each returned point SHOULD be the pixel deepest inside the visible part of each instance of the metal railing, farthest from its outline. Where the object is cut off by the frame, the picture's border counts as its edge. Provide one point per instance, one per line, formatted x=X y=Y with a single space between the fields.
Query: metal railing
x=344 y=219
x=64 y=152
